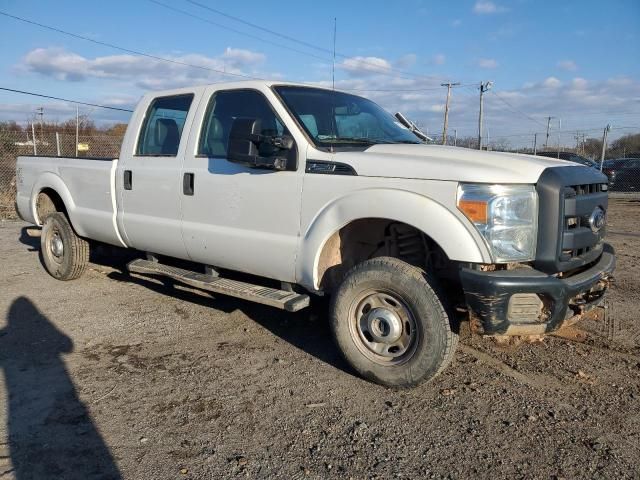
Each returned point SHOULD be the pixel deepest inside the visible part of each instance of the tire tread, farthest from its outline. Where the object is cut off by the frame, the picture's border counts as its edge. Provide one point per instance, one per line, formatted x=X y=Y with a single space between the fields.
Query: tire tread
x=429 y=283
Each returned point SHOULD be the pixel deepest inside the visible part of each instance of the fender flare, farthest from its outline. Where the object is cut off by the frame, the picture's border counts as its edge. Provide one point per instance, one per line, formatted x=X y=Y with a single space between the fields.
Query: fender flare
x=453 y=233
x=55 y=183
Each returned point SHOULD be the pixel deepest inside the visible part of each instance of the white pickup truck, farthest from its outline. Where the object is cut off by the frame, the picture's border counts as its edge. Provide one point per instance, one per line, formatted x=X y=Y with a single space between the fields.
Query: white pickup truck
x=315 y=191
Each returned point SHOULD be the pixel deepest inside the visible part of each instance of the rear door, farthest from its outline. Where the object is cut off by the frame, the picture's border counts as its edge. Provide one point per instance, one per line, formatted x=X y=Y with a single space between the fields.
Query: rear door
x=237 y=217
x=149 y=179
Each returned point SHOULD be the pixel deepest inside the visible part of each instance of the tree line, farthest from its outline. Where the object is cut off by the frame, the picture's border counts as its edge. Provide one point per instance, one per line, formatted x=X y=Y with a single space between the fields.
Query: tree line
x=86 y=126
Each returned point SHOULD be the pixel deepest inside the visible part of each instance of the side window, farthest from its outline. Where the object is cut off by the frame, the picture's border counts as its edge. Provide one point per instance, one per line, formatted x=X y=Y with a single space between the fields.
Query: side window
x=224 y=107
x=162 y=127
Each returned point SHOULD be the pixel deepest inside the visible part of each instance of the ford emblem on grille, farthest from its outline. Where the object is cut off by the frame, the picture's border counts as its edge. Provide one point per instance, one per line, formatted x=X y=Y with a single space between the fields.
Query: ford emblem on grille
x=597 y=220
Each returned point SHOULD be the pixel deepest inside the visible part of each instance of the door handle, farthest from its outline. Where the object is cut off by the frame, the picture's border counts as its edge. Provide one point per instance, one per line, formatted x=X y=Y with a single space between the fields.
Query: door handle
x=128 y=179
x=188 y=183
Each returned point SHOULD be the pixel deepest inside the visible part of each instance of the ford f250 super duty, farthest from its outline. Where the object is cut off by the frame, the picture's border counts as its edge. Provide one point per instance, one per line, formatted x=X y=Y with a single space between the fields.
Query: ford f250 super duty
x=319 y=192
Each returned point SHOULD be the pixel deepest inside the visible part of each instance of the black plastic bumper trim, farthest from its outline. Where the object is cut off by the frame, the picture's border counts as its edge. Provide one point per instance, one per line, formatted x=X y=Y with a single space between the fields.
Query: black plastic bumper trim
x=488 y=293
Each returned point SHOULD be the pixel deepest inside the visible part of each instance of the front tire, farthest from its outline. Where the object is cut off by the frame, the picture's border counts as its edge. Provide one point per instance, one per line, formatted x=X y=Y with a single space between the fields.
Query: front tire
x=64 y=254
x=390 y=324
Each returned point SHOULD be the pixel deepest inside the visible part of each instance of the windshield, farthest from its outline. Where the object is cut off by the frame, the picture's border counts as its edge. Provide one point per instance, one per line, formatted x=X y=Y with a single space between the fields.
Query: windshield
x=337 y=119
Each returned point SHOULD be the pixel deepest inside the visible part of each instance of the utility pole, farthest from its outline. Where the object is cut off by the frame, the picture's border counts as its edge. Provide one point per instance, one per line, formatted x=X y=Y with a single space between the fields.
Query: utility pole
x=455 y=137
x=77 y=128
x=446 y=110
x=535 y=143
x=33 y=135
x=40 y=111
x=604 y=143
x=559 y=128
x=546 y=142
x=484 y=87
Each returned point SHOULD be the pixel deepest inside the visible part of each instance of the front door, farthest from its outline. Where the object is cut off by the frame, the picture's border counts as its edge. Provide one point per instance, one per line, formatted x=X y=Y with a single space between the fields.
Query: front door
x=149 y=179
x=234 y=216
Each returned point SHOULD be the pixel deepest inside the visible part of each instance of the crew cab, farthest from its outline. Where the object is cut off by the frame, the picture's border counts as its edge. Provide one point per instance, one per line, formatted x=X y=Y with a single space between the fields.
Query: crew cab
x=317 y=192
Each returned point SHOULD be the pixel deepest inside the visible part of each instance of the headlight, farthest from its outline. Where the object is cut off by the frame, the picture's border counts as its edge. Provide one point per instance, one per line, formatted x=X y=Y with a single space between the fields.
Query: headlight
x=506 y=216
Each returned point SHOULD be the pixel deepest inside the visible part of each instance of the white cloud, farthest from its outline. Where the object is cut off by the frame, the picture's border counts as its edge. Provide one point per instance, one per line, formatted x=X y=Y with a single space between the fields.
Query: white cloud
x=579 y=83
x=487 y=63
x=551 y=82
x=484 y=7
x=407 y=60
x=456 y=23
x=364 y=66
x=240 y=58
x=147 y=73
x=581 y=103
x=568 y=65
x=439 y=59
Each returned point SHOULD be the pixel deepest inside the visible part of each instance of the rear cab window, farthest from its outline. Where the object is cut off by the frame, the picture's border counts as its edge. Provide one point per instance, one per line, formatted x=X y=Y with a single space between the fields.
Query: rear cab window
x=163 y=125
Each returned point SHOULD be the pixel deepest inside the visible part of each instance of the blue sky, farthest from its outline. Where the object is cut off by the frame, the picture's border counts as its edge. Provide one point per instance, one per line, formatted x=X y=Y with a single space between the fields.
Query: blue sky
x=576 y=60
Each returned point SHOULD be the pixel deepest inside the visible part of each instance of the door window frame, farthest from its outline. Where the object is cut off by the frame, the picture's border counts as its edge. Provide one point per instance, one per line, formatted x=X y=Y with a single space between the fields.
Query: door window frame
x=207 y=111
x=143 y=125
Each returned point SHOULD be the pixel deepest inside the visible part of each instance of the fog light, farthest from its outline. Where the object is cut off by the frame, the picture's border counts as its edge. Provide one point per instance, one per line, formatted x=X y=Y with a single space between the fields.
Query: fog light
x=525 y=308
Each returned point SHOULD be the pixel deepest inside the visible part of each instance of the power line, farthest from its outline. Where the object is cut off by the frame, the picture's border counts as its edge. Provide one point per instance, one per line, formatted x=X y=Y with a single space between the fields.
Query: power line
x=127 y=50
x=426 y=89
x=177 y=62
x=516 y=110
x=240 y=32
x=570 y=131
x=65 y=99
x=259 y=27
x=389 y=70
x=569 y=115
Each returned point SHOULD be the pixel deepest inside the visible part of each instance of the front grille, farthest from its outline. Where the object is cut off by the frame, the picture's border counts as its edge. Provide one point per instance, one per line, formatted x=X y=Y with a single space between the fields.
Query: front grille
x=568 y=197
x=586 y=189
x=578 y=239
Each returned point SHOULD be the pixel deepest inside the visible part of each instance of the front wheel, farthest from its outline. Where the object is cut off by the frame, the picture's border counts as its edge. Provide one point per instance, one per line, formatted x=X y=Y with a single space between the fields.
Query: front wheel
x=390 y=324
x=64 y=254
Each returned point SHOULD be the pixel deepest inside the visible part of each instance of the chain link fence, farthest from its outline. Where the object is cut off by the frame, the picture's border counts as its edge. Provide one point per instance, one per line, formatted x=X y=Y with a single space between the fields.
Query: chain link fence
x=623 y=172
x=62 y=143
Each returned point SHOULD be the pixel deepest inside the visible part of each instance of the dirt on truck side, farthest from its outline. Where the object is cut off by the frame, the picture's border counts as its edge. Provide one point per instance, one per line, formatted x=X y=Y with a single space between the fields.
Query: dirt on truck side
x=133 y=378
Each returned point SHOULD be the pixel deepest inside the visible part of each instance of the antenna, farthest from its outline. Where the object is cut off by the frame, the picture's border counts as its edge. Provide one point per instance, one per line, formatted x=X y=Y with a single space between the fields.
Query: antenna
x=333 y=65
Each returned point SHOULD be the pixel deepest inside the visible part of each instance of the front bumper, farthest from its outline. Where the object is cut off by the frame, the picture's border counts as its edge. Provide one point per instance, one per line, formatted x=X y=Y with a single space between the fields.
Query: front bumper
x=488 y=295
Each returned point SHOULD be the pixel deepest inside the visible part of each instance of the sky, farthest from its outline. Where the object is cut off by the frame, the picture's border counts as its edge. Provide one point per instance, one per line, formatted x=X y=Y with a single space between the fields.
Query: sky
x=577 y=61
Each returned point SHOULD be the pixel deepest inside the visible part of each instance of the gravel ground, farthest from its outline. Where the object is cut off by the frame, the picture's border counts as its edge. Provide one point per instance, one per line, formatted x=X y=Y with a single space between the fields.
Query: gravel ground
x=115 y=376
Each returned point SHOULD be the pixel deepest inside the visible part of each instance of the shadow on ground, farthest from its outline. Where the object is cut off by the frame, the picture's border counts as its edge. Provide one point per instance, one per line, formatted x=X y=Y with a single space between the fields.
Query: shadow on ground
x=51 y=434
x=307 y=330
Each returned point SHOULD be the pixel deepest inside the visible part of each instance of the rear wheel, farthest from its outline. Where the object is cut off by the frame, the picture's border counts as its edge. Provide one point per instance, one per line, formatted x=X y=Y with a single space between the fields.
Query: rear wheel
x=64 y=254
x=390 y=324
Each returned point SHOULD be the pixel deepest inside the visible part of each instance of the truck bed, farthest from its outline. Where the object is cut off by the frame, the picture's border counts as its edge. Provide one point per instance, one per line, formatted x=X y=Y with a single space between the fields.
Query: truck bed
x=85 y=184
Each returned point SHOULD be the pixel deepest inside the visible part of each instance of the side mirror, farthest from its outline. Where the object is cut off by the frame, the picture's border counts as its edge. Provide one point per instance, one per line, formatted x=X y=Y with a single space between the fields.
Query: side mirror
x=247 y=145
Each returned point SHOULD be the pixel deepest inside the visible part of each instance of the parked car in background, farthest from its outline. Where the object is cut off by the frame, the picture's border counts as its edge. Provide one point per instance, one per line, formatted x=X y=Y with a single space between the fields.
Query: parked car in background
x=570 y=157
x=611 y=168
x=627 y=177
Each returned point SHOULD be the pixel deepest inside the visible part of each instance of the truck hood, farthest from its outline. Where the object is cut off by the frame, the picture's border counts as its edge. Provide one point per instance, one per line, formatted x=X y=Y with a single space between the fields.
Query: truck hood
x=438 y=162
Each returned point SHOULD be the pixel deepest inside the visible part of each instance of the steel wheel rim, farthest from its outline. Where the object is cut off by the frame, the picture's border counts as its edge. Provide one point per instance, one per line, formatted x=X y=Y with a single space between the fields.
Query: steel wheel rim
x=54 y=246
x=383 y=327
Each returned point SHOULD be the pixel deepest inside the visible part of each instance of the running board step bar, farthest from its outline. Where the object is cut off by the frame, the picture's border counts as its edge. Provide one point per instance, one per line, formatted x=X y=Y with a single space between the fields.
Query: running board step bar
x=289 y=301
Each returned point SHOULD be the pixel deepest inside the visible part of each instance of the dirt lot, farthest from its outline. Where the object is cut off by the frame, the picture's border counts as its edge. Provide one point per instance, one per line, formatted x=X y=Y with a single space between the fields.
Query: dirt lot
x=113 y=376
